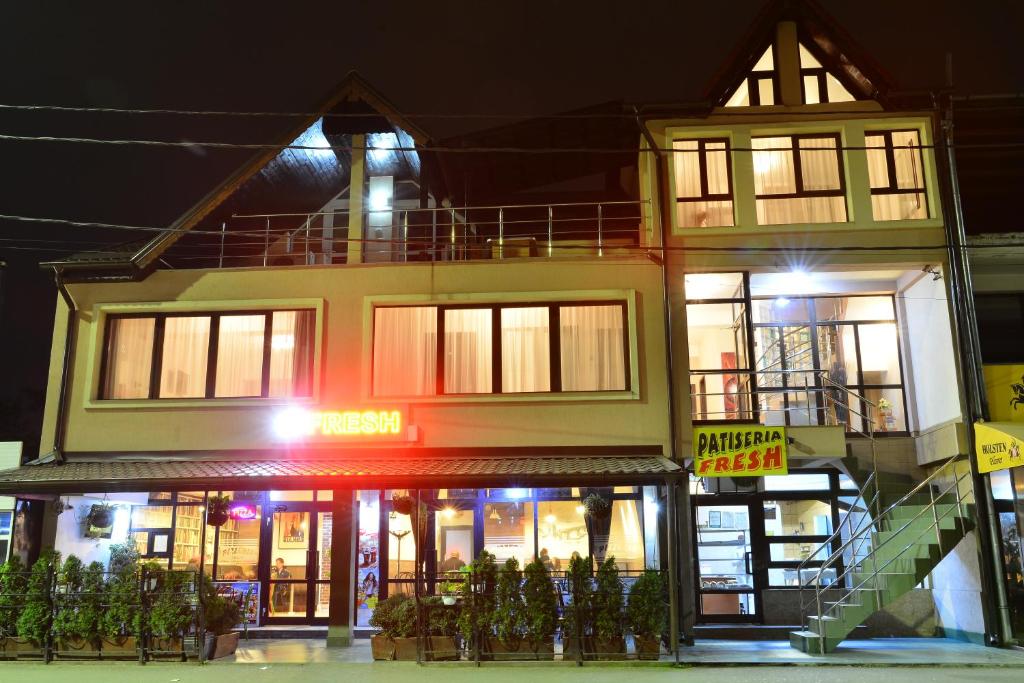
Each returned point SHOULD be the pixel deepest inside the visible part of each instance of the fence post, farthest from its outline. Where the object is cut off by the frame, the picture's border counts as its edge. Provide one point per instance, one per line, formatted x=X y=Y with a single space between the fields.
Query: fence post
x=201 y=613
x=266 y=243
x=600 y=230
x=143 y=616
x=51 y=589
x=223 y=228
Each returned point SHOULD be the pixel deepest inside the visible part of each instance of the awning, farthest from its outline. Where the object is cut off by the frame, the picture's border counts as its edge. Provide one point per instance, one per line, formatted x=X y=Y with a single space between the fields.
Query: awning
x=998 y=445
x=357 y=472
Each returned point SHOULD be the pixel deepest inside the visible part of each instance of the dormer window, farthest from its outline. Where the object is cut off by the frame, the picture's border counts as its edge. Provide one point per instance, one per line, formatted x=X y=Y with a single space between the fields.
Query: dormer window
x=761 y=85
x=817 y=84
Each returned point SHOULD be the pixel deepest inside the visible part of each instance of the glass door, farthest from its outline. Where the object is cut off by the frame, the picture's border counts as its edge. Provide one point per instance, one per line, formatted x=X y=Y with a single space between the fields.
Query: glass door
x=730 y=566
x=299 y=565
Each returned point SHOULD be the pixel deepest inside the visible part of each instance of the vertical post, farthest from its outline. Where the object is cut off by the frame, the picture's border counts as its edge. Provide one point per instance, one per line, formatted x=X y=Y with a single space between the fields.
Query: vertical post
x=309 y=219
x=433 y=234
x=418 y=575
x=357 y=187
x=343 y=541
x=405 y=236
x=143 y=616
x=673 y=571
x=551 y=227
x=452 y=257
x=51 y=590
x=223 y=229
x=201 y=612
x=600 y=230
x=266 y=242
x=501 y=232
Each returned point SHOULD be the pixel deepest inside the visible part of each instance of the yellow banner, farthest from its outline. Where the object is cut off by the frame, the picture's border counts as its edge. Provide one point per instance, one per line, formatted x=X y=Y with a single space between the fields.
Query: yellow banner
x=999 y=446
x=739 y=451
x=1004 y=386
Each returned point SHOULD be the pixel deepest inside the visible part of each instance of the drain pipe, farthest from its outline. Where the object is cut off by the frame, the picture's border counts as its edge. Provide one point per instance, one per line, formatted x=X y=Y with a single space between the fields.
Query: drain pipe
x=966 y=323
x=677 y=629
x=60 y=428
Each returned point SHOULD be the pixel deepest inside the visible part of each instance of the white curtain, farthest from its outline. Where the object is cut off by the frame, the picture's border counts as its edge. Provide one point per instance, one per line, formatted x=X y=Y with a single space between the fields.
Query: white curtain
x=592 y=348
x=129 y=357
x=525 y=350
x=240 y=355
x=405 y=351
x=291 y=352
x=775 y=173
x=186 y=343
x=909 y=175
x=467 y=348
x=702 y=214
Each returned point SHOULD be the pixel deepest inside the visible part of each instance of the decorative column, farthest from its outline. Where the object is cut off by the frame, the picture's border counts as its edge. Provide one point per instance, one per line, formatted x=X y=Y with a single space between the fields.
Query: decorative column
x=344 y=527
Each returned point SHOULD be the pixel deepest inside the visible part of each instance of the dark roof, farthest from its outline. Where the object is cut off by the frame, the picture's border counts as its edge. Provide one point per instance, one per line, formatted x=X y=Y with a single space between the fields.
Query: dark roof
x=364 y=470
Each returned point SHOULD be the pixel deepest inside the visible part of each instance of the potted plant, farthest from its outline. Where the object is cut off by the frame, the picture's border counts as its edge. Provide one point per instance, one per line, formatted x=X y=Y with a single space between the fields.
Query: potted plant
x=609 y=632
x=450 y=591
x=221 y=614
x=101 y=515
x=69 y=627
x=217 y=510
x=442 y=628
x=36 y=618
x=13 y=582
x=509 y=619
x=597 y=510
x=476 y=618
x=402 y=503
x=121 y=623
x=171 y=613
x=577 y=620
x=395 y=621
x=540 y=610
x=646 y=613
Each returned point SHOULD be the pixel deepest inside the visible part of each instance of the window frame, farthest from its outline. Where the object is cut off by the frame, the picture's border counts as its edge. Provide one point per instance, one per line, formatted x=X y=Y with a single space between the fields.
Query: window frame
x=820 y=73
x=751 y=77
x=495 y=308
x=798 y=175
x=702 y=164
x=889 y=148
x=156 y=353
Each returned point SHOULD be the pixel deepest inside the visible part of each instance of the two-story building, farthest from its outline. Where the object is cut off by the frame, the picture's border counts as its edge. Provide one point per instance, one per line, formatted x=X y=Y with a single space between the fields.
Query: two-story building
x=339 y=325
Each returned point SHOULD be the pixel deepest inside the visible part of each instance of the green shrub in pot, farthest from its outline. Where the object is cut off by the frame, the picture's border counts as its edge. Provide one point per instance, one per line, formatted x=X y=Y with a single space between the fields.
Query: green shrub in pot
x=35 y=620
x=13 y=583
x=478 y=593
x=609 y=624
x=395 y=621
x=577 y=621
x=540 y=608
x=645 y=613
x=68 y=598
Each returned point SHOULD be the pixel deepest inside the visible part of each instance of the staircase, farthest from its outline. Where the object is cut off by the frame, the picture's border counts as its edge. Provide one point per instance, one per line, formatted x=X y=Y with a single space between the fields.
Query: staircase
x=889 y=540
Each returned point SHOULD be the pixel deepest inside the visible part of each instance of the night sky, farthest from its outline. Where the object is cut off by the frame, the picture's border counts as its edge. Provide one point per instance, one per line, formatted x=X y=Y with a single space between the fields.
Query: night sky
x=447 y=57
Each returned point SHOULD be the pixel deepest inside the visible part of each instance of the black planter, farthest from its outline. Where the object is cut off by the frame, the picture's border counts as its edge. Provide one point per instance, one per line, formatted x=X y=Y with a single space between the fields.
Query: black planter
x=101 y=517
x=402 y=505
x=217 y=517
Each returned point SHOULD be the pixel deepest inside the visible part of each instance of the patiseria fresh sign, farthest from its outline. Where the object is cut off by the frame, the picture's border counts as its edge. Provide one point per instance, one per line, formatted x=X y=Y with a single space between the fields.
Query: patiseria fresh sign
x=299 y=423
x=740 y=451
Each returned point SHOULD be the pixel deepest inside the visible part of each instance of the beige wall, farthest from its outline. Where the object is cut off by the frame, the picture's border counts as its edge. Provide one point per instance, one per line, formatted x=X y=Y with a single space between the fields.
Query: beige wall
x=625 y=418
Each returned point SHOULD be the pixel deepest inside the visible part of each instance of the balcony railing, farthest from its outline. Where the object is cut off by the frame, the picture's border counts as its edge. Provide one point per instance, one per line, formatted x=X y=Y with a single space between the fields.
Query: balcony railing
x=396 y=235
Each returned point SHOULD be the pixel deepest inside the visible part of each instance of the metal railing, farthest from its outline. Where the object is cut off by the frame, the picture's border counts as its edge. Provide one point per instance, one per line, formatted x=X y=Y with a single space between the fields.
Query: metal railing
x=860 y=538
x=399 y=234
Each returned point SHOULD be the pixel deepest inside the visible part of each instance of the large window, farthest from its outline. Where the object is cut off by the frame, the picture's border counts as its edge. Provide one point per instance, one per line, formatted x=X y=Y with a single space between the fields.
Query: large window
x=703 y=183
x=494 y=348
x=798 y=179
x=214 y=355
x=895 y=170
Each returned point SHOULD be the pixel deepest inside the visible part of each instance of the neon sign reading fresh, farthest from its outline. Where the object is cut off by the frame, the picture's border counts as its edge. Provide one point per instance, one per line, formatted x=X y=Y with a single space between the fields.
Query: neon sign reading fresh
x=296 y=423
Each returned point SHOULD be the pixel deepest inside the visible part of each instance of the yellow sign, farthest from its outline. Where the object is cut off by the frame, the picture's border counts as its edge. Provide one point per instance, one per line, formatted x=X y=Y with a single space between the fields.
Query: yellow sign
x=740 y=451
x=1004 y=386
x=999 y=445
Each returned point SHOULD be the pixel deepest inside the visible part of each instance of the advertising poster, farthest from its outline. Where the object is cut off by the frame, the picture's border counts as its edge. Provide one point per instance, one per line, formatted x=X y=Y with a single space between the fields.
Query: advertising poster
x=739 y=451
x=367 y=575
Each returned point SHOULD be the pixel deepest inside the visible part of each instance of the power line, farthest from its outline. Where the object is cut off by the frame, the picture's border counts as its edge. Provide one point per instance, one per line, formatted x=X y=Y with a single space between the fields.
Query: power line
x=467 y=150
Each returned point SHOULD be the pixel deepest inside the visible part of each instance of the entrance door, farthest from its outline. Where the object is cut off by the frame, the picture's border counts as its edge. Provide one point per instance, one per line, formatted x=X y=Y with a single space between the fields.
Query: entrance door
x=299 y=566
x=730 y=565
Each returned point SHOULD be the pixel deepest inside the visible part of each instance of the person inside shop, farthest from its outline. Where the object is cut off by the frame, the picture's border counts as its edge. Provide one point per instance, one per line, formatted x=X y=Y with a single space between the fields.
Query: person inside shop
x=452 y=563
x=545 y=559
x=281 y=590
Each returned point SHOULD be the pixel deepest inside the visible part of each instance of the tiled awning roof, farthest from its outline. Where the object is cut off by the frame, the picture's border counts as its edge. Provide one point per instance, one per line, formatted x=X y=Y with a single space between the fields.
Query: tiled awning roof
x=364 y=471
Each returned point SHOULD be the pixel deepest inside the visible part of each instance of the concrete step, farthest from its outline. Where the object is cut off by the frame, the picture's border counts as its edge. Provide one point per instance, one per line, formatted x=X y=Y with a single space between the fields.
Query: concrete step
x=811 y=643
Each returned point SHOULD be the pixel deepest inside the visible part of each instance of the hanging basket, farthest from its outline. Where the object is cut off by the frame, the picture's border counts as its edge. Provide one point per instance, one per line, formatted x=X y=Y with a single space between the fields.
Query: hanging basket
x=402 y=505
x=101 y=516
x=217 y=517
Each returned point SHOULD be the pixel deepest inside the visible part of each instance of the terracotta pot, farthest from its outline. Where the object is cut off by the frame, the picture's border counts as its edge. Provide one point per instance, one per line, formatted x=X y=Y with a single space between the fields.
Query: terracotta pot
x=221 y=646
x=391 y=649
x=120 y=647
x=648 y=647
x=522 y=650
x=605 y=649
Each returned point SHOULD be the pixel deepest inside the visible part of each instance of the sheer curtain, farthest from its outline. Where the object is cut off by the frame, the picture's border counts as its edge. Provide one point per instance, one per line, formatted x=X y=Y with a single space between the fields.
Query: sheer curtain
x=775 y=174
x=240 y=356
x=592 y=348
x=129 y=357
x=183 y=369
x=405 y=351
x=467 y=348
x=291 y=353
x=525 y=350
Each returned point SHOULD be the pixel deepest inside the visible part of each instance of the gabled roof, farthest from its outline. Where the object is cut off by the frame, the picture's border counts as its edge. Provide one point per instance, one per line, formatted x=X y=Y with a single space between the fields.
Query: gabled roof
x=132 y=261
x=834 y=47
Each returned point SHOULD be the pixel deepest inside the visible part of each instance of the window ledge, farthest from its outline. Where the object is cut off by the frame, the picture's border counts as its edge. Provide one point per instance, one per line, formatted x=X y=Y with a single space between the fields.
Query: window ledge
x=848 y=226
x=525 y=398
x=192 y=403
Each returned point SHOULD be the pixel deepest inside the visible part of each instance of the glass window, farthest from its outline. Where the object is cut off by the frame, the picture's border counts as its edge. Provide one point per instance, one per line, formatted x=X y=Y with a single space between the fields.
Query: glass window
x=454 y=539
x=240 y=355
x=703 y=183
x=562 y=531
x=797 y=482
x=129 y=357
x=797 y=517
x=593 y=353
x=699 y=286
x=151 y=516
x=896 y=173
x=818 y=84
x=185 y=352
x=467 y=351
x=759 y=85
x=626 y=537
x=798 y=179
x=525 y=349
x=276 y=496
x=786 y=577
x=238 y=549
x=405 y=351
x=188 y=534
x=291 y=353
x=508 y=531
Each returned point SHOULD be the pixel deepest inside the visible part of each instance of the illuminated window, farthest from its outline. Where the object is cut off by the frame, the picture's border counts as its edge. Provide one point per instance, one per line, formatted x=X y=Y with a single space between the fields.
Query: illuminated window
x=817 y=83
x=703 y=183
x=500 y=349
x=759 y=86
x=205 y=356
x=798 y=179
x=896 y=173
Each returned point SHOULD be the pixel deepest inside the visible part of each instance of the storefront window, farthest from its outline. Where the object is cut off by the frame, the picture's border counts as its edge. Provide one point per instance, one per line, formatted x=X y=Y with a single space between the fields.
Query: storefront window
x=626 y=540
x=797 y=518
x=508 y=530
x=238 y=549
x=561 y=531
x=188 y=534
x=454 y=538
x=151 y=517
x=290 y=496
x=401 y=550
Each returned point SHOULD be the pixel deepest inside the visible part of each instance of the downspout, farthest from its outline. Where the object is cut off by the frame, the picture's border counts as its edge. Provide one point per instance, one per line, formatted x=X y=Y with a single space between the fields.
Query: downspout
x=60 y=428
x=966 y=324
x=673 y=535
